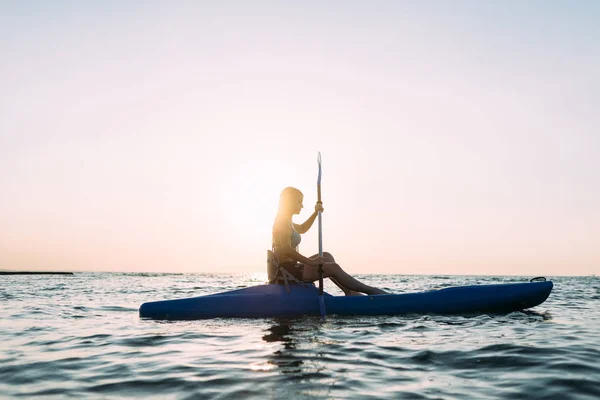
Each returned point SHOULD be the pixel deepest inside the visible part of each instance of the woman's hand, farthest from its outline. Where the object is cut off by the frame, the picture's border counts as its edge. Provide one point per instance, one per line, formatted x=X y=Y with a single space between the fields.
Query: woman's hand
x=318 y=261
x=319 y=207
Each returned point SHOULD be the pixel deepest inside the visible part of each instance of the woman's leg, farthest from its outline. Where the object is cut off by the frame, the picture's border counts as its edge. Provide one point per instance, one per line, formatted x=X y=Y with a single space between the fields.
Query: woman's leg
x=341 y=278
x=346 y=291
x=328 y=257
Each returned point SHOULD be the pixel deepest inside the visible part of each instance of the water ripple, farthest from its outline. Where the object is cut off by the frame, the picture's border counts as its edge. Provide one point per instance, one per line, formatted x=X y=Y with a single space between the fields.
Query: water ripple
x=83 y=338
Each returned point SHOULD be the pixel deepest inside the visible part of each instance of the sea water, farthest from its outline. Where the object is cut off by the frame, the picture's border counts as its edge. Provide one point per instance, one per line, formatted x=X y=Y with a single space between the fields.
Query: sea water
x=80 y=336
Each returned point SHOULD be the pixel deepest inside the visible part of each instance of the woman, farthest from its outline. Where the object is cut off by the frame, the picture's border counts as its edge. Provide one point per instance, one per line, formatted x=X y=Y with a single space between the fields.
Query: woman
x=286 y=238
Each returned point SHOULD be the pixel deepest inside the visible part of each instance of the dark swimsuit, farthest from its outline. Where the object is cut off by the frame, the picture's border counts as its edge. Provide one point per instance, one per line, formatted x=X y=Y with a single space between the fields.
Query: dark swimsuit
x=294 y=268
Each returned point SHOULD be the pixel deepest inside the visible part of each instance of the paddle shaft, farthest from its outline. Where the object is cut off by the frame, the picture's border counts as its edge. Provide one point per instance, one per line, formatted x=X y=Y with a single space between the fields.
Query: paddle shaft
x=320 y=222
x=320 y=231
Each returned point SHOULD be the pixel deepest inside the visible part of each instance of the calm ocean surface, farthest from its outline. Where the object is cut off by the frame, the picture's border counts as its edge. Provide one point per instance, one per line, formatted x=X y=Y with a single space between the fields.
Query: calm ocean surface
x=80 y=337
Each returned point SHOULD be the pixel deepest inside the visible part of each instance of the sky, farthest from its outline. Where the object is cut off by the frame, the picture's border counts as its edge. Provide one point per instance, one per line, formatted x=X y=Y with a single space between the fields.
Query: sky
x=458 y=137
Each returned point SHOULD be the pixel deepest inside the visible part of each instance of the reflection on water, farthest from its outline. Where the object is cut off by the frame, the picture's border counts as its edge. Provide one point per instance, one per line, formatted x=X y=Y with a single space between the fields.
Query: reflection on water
x=284 y=357
x=545 y=315
x=280 y=333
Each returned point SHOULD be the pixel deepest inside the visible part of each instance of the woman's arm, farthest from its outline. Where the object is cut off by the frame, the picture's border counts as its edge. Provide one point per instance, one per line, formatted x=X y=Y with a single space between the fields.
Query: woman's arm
x=282 y=234
x=303 y=228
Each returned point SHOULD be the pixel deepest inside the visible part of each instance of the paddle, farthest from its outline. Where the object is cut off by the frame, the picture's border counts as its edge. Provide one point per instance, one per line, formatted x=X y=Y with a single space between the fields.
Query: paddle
x=321 y=299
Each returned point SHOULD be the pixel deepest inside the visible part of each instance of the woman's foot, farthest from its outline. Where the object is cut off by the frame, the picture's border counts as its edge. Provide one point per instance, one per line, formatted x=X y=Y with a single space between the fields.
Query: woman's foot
x=352 y=293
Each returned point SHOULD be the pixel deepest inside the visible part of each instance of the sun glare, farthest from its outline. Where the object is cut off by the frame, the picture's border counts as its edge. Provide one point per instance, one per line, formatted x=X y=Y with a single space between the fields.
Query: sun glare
x=250 y=195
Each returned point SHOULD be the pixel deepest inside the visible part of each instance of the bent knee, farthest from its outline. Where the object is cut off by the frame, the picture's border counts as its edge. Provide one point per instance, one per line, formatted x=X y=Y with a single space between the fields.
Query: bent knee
x=328 y=257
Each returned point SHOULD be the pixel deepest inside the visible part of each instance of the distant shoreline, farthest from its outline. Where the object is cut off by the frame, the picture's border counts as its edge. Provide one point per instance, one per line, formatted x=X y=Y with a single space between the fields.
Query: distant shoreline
x=34 y=273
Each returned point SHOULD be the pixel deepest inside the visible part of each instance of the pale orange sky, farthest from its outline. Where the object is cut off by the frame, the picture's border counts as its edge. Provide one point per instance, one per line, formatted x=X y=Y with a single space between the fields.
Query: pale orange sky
x=457 y=137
